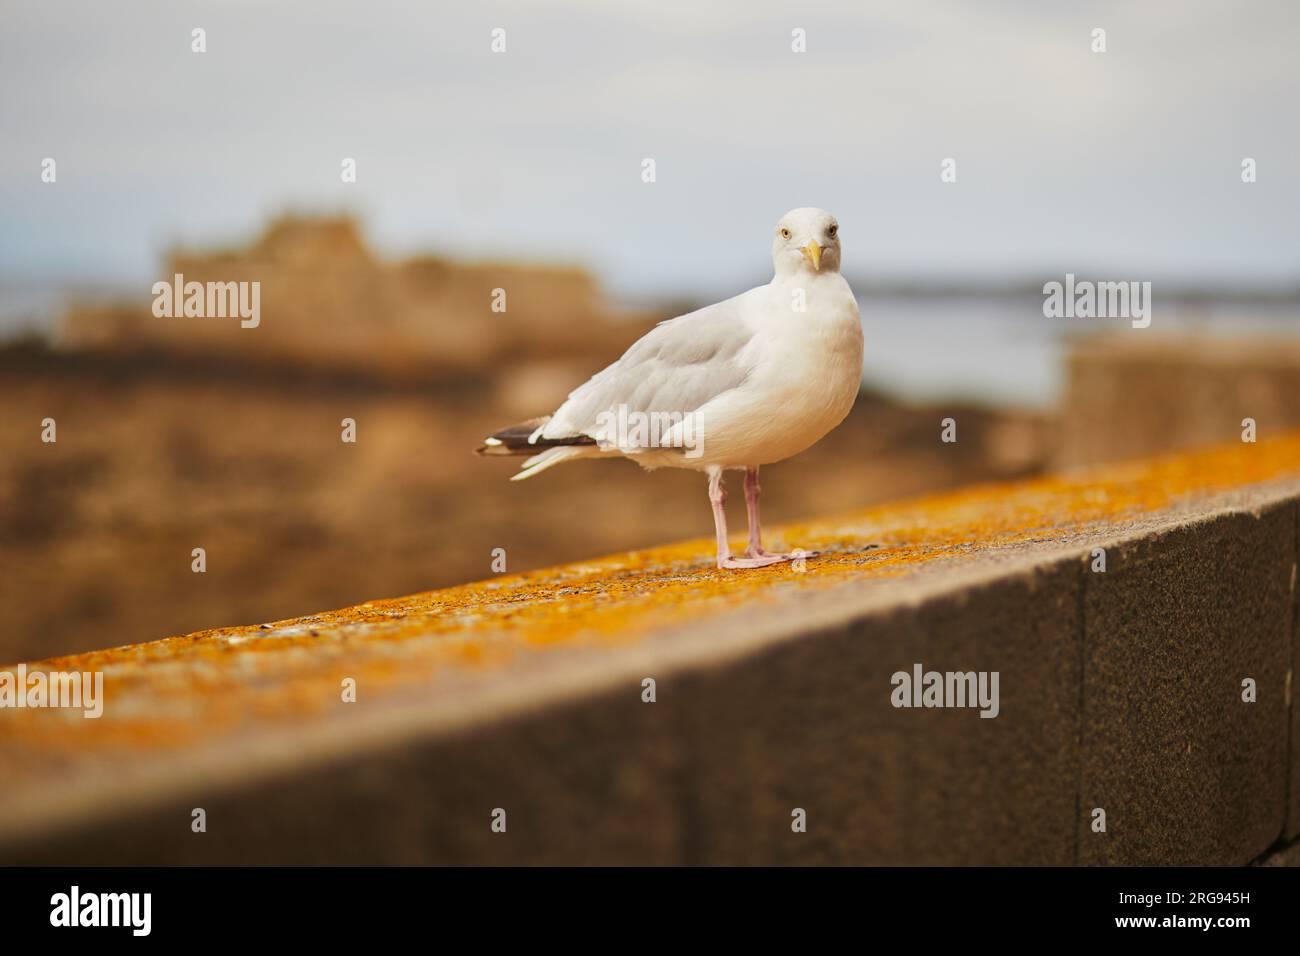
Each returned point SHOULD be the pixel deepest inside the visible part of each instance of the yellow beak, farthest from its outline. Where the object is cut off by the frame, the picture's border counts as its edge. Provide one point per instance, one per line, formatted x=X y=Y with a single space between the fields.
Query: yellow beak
x=813 y=253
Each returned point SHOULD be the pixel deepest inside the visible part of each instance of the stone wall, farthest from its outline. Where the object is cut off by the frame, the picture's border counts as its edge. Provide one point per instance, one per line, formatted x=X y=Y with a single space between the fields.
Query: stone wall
x=647 y=708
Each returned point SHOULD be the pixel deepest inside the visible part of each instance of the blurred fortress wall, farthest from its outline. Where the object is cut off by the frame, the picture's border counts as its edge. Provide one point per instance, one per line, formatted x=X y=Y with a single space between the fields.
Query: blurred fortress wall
x=327 y=301
x=1127 y=399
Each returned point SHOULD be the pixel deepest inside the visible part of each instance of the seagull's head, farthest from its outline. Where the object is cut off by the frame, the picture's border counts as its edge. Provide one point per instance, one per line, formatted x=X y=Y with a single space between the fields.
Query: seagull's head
x=808 y=240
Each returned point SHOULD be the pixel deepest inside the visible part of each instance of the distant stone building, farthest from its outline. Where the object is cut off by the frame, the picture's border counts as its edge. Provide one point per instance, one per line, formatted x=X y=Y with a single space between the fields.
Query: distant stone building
x=326 y=301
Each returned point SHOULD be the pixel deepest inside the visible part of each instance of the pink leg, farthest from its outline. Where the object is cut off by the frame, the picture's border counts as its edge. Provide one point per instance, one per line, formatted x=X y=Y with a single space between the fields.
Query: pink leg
x=752 y=490
x=718 y=498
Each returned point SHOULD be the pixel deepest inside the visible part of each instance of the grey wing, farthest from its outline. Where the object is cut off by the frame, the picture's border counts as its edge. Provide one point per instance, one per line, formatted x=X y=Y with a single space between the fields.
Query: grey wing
x=675 y=368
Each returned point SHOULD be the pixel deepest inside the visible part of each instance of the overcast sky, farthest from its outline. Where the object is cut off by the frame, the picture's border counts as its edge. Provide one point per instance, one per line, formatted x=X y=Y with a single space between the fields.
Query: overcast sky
x=1125 y=163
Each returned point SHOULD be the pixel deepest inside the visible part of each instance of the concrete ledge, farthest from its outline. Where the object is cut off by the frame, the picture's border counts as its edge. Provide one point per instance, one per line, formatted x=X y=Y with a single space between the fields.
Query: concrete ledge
x=1119 y=690
x=1191 y=773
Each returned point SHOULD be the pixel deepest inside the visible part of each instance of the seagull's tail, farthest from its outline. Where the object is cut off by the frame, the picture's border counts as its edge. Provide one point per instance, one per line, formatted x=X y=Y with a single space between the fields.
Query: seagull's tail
x=543 y=452
x=552 y=456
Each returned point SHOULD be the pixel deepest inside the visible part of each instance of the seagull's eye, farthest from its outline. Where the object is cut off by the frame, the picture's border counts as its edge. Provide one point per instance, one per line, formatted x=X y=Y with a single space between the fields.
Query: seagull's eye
x=785 y=233
x=833 y=231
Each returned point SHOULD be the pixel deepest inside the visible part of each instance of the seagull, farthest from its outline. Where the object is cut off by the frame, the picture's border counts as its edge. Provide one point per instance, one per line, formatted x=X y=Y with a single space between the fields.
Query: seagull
x=746 y=382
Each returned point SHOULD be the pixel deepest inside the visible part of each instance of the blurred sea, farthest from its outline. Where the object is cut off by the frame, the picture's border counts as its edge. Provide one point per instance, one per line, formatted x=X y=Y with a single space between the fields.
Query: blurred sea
x=991 y=348
x=1001 y=350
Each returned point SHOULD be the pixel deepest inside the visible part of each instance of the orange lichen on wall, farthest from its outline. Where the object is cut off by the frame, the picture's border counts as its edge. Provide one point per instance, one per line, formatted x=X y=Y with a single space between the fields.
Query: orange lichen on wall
x=173 y=692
